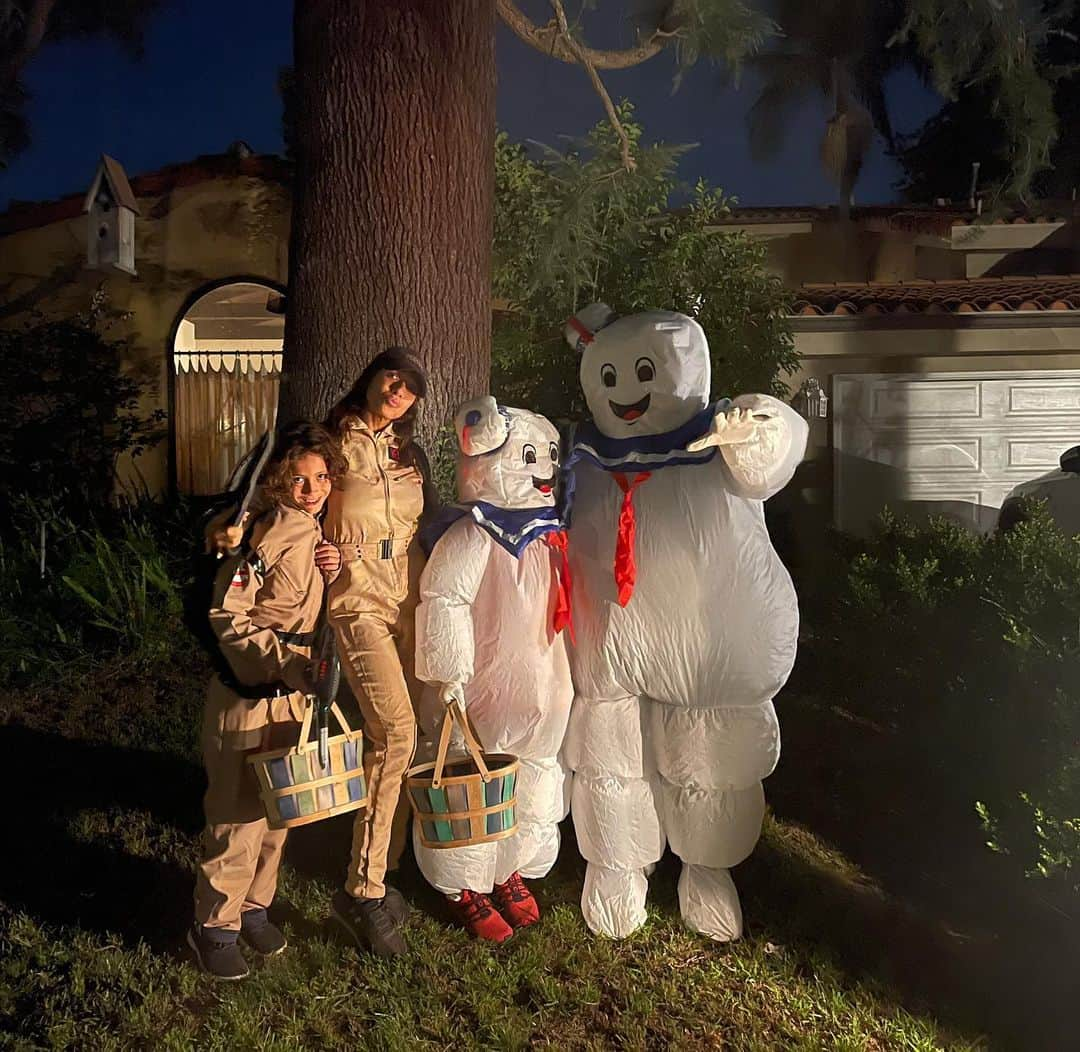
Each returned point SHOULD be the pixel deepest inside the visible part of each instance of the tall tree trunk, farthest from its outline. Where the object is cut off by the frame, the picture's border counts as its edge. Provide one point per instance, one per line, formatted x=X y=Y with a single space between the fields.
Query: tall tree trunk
x=392 y=207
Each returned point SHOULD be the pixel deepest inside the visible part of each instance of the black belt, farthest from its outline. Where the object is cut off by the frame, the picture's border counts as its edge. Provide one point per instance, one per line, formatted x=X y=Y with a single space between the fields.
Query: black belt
x=256 y=692
x=296 y=639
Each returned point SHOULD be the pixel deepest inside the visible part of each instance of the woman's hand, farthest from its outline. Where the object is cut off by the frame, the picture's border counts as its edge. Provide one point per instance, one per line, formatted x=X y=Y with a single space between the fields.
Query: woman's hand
x=328 y=558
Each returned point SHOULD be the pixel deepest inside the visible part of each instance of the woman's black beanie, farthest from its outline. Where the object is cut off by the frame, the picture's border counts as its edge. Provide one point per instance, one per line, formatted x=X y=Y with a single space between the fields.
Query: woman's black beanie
x=399 y=360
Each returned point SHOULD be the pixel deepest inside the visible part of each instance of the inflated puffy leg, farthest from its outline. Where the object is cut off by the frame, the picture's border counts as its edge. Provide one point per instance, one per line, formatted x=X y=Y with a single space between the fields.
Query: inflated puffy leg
x=453 y=869
x=605 y=738
x=616 y=822
x=612 y=799
x=613 y=900
x=717 y=748
x=709 y=902
x=712 y=827
x=541 y=803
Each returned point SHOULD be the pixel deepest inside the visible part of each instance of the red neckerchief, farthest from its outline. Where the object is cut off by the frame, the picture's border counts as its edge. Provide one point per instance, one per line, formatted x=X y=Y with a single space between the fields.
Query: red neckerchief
x=564 y=616
x=625 y=566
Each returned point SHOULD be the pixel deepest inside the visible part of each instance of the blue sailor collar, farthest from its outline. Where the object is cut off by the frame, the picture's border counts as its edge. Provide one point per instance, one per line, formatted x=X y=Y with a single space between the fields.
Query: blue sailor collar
x=647 y=452
x=644 y=453
x=512 y=528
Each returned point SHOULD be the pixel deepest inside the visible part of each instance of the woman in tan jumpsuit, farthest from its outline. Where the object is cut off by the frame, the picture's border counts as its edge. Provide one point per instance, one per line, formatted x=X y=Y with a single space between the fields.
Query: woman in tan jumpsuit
x=372 y=517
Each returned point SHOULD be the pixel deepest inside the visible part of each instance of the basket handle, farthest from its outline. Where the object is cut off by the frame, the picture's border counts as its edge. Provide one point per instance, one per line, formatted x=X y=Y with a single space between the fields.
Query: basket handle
x=309 y=711
x=455 y=713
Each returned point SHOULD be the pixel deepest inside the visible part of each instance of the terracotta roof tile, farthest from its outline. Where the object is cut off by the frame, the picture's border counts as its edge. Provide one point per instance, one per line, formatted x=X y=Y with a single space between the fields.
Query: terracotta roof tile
x=915 y=219
x=976 y=295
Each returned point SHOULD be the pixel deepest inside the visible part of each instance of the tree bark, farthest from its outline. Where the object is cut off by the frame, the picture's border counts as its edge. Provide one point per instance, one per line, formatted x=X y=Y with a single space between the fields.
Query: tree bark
x=392 y=207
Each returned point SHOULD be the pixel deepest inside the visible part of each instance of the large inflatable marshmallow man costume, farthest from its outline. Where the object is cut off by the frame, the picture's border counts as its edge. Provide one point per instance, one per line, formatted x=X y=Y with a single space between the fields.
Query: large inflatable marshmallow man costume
x=494 y=603
x=686 y=619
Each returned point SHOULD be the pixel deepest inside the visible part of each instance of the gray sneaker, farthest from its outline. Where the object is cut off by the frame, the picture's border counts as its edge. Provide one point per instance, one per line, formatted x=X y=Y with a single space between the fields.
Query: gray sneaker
x=396 y=904
x=218 y=954
x=259 y=935
x=370 y=923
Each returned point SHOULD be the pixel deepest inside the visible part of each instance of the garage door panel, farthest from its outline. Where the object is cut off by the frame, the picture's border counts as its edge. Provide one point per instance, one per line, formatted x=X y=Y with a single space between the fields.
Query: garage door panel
x=943 y=443
x=927 y=403
x=1045 y=400
x=1034 y=457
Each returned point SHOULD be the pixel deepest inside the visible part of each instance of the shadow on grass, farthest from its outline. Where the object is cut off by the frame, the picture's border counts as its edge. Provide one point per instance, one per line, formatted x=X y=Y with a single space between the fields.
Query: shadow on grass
x=1012 y=984
x=60 y=876
x=950 y=925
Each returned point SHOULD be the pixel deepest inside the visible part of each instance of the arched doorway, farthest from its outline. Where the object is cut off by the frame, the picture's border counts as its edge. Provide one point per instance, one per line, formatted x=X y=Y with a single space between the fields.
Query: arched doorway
x=226 y=358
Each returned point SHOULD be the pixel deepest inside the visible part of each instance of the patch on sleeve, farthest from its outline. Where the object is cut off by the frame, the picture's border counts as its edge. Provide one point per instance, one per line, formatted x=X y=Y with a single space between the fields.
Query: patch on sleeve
x=395 y=453
x=240 y=578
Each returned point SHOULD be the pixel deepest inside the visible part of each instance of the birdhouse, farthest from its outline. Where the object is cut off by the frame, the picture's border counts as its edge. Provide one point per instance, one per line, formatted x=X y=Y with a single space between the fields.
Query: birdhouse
x=811 y=400
x=111 y=209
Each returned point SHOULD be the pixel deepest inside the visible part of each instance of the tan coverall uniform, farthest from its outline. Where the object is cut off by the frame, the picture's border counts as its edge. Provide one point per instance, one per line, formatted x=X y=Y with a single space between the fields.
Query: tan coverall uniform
x=265 y=609
x=372 y=516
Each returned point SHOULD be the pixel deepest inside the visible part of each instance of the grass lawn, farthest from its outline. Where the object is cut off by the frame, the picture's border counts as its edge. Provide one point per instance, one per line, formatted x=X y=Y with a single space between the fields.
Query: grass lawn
x=104 y=786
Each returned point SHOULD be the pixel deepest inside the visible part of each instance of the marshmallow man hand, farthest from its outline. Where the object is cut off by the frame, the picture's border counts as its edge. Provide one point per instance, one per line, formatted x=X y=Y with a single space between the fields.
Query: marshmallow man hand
x=761 y=463
x=452 y=694
x=728 y=428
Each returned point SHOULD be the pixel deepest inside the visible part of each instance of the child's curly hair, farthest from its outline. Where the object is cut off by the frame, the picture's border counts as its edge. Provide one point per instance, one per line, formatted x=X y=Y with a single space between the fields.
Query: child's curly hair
x=292 y=444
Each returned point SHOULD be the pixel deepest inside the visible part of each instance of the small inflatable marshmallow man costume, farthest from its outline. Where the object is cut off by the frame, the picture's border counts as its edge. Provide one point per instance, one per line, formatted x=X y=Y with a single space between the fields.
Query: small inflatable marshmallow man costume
x=490 y=629
x=686 y=619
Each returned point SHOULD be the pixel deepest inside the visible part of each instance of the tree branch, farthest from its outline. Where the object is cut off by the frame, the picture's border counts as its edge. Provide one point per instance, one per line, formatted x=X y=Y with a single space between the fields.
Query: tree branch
x=37 y=22
x=581 y=56
x=552 y=41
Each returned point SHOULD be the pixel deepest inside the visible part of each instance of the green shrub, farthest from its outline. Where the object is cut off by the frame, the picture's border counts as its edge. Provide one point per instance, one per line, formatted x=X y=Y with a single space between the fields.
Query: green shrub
x=69 y=406
x=109 y=584
x=576 y=227
x=968 y=650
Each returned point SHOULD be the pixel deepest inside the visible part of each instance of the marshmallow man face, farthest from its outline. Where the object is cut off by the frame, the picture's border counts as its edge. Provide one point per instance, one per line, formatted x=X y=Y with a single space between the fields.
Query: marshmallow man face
x=509 y=457
x=646 y=374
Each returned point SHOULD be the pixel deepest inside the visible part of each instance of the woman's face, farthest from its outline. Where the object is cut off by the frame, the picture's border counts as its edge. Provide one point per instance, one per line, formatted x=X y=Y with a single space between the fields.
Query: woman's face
x=310 y=483
x=388 y=395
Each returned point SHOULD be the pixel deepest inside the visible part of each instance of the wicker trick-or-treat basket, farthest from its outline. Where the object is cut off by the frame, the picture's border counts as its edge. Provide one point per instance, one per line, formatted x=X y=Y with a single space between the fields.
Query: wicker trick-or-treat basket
x=468 y=800
x=296 y=789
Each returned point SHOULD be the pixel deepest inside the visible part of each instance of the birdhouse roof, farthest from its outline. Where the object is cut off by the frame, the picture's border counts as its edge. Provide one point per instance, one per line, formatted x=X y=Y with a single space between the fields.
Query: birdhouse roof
x=113 y=173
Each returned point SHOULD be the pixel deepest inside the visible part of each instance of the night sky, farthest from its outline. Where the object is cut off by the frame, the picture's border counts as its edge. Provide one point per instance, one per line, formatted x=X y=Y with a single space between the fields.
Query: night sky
x=208 y=78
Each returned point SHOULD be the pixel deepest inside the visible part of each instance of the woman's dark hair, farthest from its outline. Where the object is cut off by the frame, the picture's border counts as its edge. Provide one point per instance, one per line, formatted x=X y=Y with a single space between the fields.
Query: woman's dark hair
x=395 y=359
x=292 y=444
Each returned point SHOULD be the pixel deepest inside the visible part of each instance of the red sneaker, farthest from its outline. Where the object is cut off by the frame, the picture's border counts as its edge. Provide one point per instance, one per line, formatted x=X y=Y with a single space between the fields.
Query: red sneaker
x=516 y=902
x=479 y=918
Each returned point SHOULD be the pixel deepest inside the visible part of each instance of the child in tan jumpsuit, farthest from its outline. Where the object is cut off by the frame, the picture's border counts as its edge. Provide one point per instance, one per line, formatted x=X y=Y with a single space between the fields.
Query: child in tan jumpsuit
x=372 y=517
x=265 y=609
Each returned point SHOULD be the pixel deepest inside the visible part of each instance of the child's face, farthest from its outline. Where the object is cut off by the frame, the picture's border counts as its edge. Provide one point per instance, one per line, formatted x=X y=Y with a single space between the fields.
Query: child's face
x=310 y=484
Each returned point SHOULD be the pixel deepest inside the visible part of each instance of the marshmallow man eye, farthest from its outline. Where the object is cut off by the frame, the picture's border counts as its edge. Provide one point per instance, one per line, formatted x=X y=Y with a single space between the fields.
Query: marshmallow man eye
x=645 y=369
x=528 y=454
x=554 y=451
x=608 y=375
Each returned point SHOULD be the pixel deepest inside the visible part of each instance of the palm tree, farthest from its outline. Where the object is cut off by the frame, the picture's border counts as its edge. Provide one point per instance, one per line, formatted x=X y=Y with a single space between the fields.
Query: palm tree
x=841 y=50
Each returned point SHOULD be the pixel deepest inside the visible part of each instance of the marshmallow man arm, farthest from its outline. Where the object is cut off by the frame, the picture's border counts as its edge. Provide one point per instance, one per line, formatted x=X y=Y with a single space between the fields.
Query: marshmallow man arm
x=763 y=465
x=445 y=648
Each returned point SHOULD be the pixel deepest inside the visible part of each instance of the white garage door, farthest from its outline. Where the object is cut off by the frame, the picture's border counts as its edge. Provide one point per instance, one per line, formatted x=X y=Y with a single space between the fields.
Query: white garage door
x=946 y=443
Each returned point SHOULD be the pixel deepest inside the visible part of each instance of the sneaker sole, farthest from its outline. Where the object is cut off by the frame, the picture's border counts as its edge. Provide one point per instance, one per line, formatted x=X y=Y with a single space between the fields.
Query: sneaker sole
x=206 y=971
x=258 y=953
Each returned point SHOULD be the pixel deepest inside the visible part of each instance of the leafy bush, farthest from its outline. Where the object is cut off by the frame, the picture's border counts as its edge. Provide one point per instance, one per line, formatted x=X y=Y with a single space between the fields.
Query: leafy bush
x=69 y=406
x=576 y=227
x=968 y=649
x=108 y=585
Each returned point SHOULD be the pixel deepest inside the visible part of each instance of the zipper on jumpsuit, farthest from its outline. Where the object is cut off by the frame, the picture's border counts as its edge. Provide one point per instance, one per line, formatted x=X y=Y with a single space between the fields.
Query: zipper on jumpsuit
x=388 y=545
